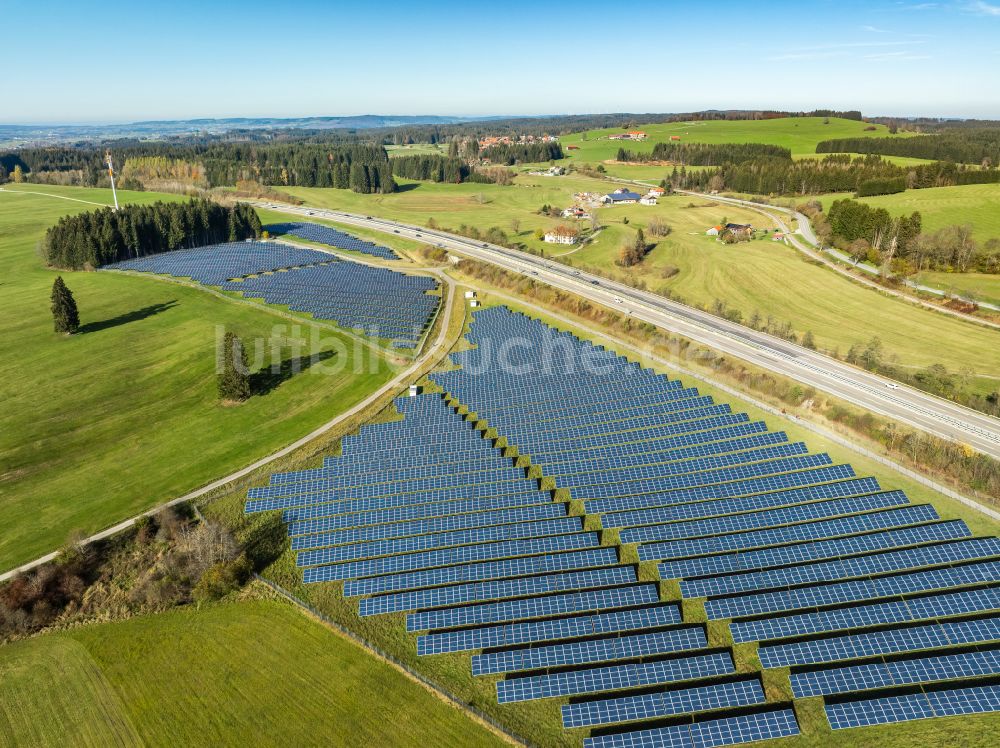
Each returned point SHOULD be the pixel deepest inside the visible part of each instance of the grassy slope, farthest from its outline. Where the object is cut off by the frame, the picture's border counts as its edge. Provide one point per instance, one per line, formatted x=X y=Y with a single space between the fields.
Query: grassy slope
x=798 y=134
x=976 y=204
x=251 y=673
x=144 y=424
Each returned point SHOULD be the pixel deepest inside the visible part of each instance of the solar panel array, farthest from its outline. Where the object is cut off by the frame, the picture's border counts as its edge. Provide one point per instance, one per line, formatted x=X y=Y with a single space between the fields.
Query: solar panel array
x=215 y=264
x=425 y=517
x=373 y=301
x=316 y=232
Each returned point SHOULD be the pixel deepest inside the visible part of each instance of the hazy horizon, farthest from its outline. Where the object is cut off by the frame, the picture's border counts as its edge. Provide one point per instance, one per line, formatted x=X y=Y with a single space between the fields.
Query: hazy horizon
x=184 y=60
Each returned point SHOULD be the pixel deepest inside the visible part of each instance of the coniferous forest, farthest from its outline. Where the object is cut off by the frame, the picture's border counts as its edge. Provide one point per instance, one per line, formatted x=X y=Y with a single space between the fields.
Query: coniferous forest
x=101 y=237
x=706 y=154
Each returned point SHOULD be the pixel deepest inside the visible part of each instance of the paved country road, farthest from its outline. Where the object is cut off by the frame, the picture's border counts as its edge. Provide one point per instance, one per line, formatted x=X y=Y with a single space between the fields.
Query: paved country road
x=864 y=389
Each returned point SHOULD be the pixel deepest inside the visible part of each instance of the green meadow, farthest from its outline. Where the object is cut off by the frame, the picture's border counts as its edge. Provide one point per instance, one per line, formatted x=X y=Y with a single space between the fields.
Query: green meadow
x=232 y=674
x=123 y=416
x=799 y=134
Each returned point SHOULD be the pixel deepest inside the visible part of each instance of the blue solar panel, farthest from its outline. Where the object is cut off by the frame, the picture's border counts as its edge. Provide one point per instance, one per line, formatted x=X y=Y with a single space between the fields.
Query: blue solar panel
x=895 y=673
x=905 y=707
x=590 y=651
x=728 y=731
x=853 y=646
x=540 y=631
x=614 y=677
x=537 y=607
x=317 y=232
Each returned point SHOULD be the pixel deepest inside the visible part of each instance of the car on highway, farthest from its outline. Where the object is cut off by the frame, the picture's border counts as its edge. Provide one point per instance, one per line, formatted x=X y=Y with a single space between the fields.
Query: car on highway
x=368 y=218
x=576 y=272
x=418 y=235
x=395 y=231
x=892 y=385
x=533 y=272
x=596 y=282
x=618 y=300
x=486 y=245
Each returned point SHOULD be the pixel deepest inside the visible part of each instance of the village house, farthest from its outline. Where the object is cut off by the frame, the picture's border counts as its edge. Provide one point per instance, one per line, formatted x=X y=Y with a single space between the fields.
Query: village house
x=562 y=235
x=576 y=212
x=657 y=191
x=648 y=199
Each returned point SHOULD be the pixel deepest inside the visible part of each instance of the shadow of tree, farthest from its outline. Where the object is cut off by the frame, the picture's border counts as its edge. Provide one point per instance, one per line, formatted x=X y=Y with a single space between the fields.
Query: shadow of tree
x=268 y=379
x=266 y=541
x=124 y=319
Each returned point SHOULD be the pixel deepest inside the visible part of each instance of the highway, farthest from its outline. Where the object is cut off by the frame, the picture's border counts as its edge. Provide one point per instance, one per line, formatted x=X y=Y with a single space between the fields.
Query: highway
x=883 y=396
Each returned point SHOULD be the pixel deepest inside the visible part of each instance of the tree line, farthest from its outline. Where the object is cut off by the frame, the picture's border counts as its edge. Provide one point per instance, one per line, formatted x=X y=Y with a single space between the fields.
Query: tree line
x=105 y=236
x=362 y=168
x=706 y=154
x=979 y=146
x=863 y=175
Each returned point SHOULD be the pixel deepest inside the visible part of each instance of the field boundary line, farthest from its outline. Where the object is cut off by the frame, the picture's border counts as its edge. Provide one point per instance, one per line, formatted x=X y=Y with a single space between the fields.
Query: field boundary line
x=49 y=194
x=767 y=407
x=393 y=385
x=472 y=712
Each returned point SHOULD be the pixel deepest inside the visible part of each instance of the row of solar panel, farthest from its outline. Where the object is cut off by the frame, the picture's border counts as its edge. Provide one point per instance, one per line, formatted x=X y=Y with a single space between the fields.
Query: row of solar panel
x=888 y=641
x=921 y=705
x=856 y=566
x=899 y=672
x=854 y=590
x=662 y=704
x=321 y=234
x=455 y=594
x=511 y=634
x=912 y=608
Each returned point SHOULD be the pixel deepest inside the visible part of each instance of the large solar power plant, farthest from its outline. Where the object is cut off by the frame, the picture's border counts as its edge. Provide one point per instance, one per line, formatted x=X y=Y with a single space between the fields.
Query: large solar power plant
x=878 y=607
x=316 y=232
x=374 y=301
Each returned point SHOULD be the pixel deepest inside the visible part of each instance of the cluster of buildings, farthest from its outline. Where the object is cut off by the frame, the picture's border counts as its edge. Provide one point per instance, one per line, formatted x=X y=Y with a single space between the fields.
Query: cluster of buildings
x=552 y=171
x=630 y=135
x=493 y=140
x=740 y=231
x=624 y=196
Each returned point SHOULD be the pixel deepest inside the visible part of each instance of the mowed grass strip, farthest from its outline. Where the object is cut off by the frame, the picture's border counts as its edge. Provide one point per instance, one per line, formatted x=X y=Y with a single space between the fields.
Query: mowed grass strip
x=233 y=674
x=99 y=426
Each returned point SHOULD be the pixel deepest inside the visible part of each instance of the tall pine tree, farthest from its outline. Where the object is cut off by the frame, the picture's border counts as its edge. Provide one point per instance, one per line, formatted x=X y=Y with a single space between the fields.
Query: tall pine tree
x=234 y=379
x=64 y=311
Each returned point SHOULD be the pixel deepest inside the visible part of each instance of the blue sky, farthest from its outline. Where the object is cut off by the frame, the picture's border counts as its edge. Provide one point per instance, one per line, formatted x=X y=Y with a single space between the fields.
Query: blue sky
x=123 y=61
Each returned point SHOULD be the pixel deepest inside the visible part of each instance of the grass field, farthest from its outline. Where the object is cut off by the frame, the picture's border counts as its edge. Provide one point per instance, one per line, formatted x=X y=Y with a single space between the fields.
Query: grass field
x=773 y=279
x=975 y=204
x=975 y=285
x=236 y=674
x=417 y=149
x=101 y=425
x=799 y=134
